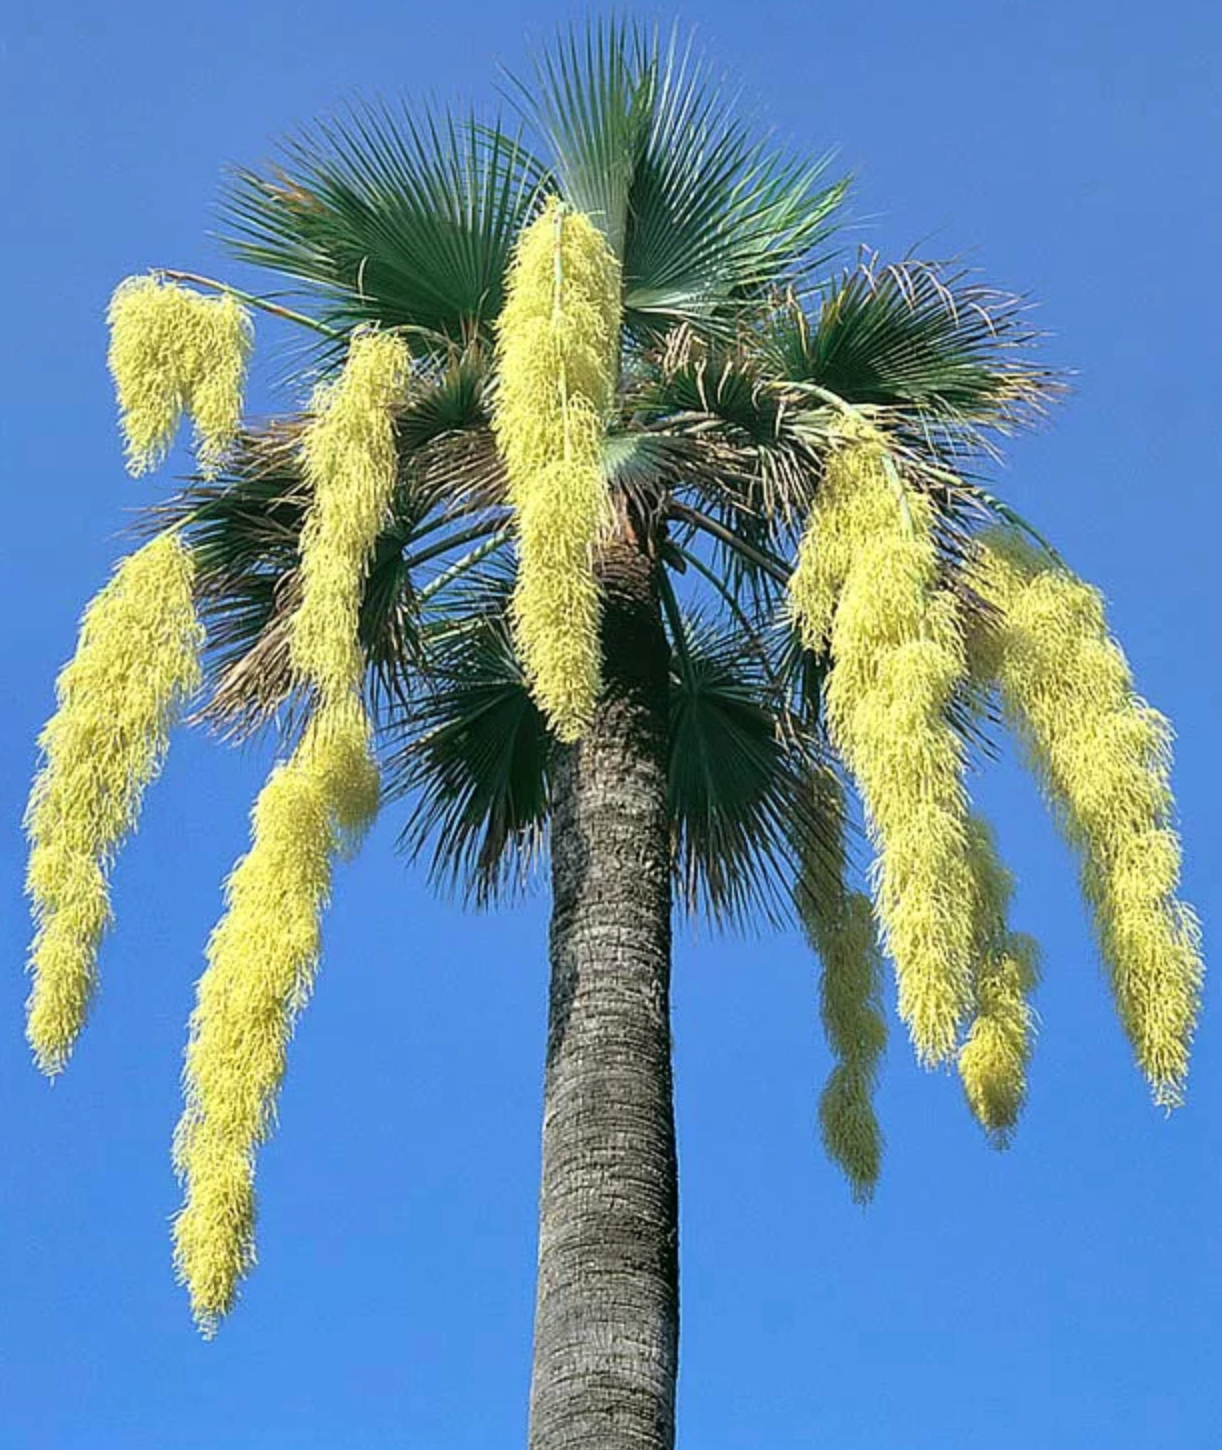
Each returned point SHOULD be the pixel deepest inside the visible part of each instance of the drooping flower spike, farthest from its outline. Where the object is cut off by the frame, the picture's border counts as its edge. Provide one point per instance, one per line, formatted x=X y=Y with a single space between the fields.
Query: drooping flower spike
x=262 y=959
x=136 y=664
x=866 y=590
x=351 y=466
x=558 y=350
x=263 y=955
x=839 y=925
x=175 y=352
x=1102 y=757
x=994 y=1058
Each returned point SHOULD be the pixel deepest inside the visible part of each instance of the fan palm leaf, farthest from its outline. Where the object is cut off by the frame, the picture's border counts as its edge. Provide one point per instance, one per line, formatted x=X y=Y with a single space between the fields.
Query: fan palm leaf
x=702 y=215
x=395 y=218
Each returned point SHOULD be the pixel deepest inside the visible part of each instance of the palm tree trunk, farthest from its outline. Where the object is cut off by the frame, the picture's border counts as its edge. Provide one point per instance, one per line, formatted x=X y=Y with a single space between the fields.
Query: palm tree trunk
x=607 y=1309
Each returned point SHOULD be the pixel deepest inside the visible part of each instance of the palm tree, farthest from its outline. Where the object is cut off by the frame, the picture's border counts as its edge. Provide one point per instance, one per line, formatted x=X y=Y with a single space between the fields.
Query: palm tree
x=783 y=438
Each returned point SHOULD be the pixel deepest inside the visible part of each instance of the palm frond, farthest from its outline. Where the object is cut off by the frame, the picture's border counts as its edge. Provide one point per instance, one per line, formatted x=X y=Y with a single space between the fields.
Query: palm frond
x=245 y=532
x=924 y=339
x=734 y=781
x=473 y=751
x=701 y=214
x=404 y=220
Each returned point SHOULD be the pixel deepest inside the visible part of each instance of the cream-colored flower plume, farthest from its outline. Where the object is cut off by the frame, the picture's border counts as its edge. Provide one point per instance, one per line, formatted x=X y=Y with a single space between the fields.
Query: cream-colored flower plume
x=866 y=587
x=839 y=924
x=261 y=963
x=173 y=351
x=994 y=1058
x=1102 y=757
x=558 y=353
x=136 y=663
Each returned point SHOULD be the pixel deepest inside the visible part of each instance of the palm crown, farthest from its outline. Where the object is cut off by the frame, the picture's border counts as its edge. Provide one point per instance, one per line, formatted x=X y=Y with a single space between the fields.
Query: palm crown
x=798 y=448
x=740 y=362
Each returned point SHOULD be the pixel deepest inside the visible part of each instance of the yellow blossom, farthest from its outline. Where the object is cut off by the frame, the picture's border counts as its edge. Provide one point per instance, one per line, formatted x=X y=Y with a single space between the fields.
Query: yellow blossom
x=1102 y=757
x=558 y=349
x=262 y=958
x=994 y=1058
x=136 y=662
x=839 y=925
x=263 y=955
x=173 y=351
x=351 y=464
x=867 y=586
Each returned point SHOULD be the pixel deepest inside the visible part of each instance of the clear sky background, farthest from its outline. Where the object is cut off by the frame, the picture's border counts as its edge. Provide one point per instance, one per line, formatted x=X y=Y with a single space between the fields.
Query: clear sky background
x=1060 y=1295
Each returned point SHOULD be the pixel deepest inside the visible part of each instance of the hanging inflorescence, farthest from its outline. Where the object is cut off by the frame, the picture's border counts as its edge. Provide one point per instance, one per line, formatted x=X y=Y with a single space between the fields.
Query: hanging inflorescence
x=261 y=963
x=558 y=350
x=866 y=590
x=136 y=664
x=994 y=1057
x=175 y=352
x=263 y=955
x=868 y=595
x=1102 y=757
x=839 y=925
x=351 y=467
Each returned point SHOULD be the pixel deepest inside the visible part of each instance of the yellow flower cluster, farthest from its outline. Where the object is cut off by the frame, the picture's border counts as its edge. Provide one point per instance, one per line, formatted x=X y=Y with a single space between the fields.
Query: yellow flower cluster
x=351 y=464
x=993 y=1060
x=261 y=963
x=1102 y=756
x=263 y=955
x=136 y=663
x=867 y=584
x=172 y=352
x=839 y=925
x=558 y=350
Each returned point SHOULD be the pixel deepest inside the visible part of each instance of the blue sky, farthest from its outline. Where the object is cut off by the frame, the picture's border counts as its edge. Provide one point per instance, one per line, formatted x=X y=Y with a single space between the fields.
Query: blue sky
x=1062 y=1294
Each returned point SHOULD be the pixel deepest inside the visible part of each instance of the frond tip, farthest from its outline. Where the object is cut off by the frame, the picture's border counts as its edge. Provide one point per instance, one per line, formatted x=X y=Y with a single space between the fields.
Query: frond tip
x=262 y=959
x=558 y=340
x=136 y=664
x=173 y=351
x=1102 y=757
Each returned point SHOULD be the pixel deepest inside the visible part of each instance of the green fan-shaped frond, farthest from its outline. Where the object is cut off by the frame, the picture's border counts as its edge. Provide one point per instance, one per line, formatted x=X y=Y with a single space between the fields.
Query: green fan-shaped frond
x=245 y=532
x=644 y=140
x=473 y=755
x=920 y=338
x=473 y=751
x=734 y=781
x=406 y=220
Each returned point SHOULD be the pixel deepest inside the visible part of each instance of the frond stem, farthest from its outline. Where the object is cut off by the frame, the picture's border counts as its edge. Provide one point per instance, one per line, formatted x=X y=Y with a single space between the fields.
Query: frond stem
x=454 y=541
x=250 y=299
x=769 y=563
x=674 y=617
x=461 y=566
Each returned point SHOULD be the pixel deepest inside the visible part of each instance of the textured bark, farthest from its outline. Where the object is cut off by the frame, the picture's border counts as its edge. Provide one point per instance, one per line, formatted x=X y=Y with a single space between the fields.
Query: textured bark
x=607 y=1310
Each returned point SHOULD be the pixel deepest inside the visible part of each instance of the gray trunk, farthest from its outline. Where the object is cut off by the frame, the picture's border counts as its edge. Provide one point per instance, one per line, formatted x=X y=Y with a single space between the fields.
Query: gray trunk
x=607 y=1310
